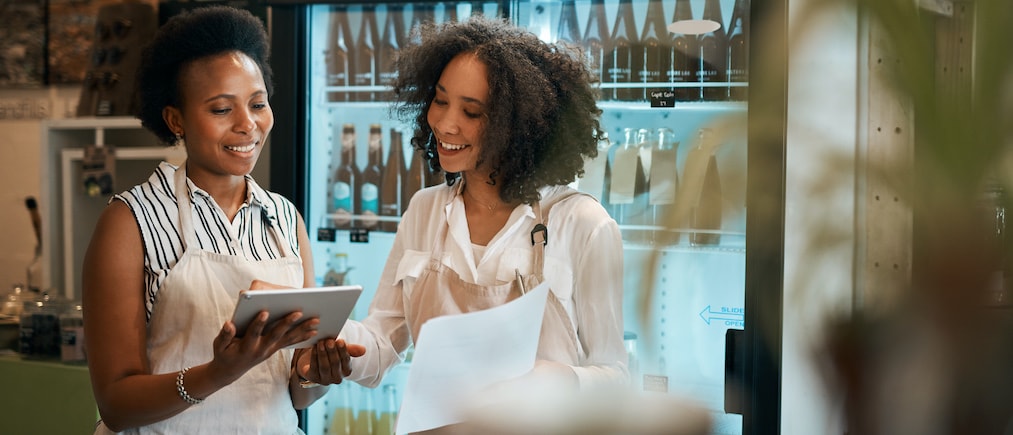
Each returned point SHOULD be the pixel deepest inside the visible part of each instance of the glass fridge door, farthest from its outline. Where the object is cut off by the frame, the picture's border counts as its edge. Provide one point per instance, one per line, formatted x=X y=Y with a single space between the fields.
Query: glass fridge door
x=360 y=172
x=674 y=81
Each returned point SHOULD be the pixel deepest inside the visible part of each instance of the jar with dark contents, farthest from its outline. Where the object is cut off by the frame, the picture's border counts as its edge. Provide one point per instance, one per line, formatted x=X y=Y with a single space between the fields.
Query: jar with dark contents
x=72 y=335
x=40 y=334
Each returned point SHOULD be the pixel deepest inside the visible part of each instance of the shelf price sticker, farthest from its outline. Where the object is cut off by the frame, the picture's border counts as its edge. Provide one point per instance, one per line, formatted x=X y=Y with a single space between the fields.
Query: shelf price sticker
x=664 y=98
x=326 y=234
x=358 y=235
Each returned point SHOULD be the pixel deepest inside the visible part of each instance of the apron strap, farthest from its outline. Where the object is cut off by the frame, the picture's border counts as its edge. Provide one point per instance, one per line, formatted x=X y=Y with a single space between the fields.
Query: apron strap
x=183 y=204
x=540 y=232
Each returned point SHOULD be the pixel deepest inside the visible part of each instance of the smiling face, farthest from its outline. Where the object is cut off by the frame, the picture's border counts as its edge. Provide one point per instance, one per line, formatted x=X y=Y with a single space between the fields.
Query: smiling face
x=458 y=113
x=225 y=116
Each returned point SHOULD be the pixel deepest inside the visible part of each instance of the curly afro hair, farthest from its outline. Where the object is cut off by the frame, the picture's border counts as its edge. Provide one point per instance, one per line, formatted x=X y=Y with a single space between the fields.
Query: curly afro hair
x=543 y=118
x=184 y=38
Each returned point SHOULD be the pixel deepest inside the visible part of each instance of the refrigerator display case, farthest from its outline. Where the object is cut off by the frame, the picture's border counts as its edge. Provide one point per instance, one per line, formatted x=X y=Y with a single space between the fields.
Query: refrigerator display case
x=676 y=89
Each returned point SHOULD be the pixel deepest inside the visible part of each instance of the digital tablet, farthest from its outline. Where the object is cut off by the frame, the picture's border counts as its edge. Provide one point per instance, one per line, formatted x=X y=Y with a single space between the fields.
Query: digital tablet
x=332 y=305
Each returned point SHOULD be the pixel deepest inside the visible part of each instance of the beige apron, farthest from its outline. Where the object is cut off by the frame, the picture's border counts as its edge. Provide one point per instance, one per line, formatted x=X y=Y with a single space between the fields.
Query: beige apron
x=440 y=291
x=196 y=299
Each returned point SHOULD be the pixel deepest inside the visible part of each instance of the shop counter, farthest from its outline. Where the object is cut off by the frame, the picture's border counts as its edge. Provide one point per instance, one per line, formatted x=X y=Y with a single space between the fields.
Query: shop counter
x=45 y=397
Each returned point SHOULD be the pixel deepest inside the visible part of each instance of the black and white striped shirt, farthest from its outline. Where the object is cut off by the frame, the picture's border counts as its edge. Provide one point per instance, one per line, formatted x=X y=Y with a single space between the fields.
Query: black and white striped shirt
x=154 y=206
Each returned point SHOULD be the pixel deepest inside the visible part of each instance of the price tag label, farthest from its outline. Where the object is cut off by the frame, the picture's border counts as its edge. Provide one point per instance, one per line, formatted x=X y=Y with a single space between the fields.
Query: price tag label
x=664 y=98
x=358 y=235
x=656 y=383
x=326 y=234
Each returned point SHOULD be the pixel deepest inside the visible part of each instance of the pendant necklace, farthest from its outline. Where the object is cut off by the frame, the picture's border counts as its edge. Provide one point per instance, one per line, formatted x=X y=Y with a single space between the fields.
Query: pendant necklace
x=473 y=198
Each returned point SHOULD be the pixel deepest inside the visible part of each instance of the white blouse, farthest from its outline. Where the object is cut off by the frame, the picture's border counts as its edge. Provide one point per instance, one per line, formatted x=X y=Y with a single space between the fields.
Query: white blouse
x=583 y=266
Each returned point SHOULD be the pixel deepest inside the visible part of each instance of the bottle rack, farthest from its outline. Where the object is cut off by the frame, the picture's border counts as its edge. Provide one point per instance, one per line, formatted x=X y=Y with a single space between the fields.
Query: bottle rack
x=696 y=290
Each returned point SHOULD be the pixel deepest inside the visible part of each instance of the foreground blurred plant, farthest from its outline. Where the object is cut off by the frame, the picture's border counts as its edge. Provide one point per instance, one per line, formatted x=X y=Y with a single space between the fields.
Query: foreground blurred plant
x=934 y=354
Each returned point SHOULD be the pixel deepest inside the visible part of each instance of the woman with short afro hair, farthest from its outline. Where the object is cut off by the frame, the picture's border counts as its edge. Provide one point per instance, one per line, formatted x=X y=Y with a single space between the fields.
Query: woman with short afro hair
x=170 y=256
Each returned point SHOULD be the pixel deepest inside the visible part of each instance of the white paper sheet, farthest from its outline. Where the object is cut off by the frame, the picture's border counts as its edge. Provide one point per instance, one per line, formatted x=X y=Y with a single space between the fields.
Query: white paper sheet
x=456 y=356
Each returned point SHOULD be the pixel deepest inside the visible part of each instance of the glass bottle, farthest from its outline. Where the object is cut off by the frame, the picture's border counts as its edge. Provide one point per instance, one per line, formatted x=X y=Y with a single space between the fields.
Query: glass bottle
x=477 y=8
x=609 y=148
x=422 y=13
x=386 y=54
x=434 y=177
x=663 y=183
x=415 y=180
x=622 y=51
x=342 y=417
x=372 y=175
x=706 y=214
x=449 y=11
x=39 y=327
x=72 y=335
x=656 y=48
x=630 y=342
x=390 y=187
x=337 y=55
x=364 y=411
x=337 y=270
x=13 y=302
x=713 y=55
x=685 y=57
x=386 y=413
x=627 y=184
x=365 y=54
x=346 y=180
x=596 y=40
x=738 y=51
x=595 y=180
x=568 y=30
x=639 y=213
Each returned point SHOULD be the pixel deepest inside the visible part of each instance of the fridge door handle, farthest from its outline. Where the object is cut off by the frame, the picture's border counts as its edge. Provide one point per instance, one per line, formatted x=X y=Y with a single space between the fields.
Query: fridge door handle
x=735 y=368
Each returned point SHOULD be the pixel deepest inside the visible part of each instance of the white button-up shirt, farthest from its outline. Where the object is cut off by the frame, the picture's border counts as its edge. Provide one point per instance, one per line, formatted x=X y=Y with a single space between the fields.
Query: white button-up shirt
x=583 y=266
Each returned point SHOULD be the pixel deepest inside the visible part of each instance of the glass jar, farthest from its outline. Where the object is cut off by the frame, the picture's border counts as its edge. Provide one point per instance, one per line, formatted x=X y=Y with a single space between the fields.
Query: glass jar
x=72 y=335
x=39 y=330
x=13 y=302
x=633 y=362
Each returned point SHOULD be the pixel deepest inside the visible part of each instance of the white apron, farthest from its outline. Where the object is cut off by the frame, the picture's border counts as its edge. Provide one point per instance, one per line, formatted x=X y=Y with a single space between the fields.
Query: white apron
x=196 y=299
x=558 y=340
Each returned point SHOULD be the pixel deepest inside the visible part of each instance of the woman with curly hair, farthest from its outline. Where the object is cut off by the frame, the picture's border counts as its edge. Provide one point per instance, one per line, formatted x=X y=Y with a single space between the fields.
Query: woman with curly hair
x=168 y=257
x=509 y=119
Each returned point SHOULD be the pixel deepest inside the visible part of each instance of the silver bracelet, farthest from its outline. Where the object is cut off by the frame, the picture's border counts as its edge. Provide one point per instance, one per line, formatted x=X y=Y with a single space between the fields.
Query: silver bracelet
x=182 y=391
x=306 y=383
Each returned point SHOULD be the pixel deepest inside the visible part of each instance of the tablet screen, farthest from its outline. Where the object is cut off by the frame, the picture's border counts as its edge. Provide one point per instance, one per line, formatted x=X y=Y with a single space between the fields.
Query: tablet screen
x=332 y=305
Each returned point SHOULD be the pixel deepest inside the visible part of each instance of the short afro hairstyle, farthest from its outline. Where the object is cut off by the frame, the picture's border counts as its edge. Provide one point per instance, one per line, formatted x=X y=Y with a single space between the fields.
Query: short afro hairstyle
x=543 y=118
x=189 y=36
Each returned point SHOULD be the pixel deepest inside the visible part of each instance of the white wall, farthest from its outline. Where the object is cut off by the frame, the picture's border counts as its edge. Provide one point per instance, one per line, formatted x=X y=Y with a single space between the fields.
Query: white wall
x=821 y=197
x=20 y=166
x=19 y=175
